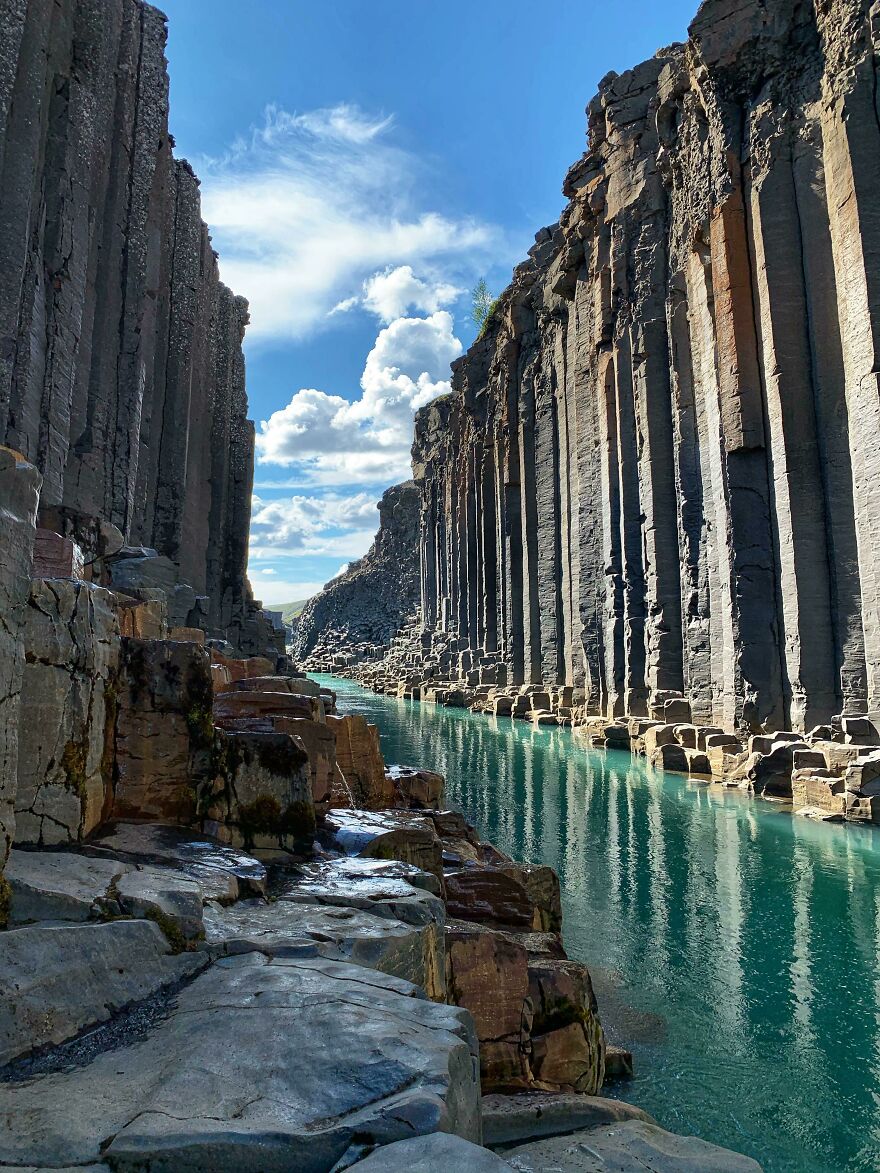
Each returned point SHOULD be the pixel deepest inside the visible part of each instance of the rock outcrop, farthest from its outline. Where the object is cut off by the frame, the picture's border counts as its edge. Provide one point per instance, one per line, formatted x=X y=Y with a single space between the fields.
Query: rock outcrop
x=121 y=368
x=655 y=479
x=356 y=615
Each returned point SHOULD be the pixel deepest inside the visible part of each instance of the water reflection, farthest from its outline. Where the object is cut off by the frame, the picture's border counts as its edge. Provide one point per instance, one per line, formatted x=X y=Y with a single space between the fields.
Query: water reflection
x=737 y=949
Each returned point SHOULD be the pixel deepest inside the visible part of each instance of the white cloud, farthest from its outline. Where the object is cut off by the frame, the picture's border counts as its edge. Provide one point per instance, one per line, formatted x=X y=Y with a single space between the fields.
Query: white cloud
x=328 y=526
x=392 y=293
x=332 y=441
x=273 y=594
x=310 y=205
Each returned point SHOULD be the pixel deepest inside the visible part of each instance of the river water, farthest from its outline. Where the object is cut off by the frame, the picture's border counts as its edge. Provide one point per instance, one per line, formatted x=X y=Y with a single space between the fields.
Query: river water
x=735 y=949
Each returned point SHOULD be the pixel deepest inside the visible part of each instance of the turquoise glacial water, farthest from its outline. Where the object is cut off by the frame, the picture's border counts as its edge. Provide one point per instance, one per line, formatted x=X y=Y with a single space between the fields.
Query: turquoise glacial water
x=735 y=949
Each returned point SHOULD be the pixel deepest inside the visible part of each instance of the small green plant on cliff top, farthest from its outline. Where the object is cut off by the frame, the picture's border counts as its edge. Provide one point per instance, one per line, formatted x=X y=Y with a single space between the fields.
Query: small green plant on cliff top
x=483 y=306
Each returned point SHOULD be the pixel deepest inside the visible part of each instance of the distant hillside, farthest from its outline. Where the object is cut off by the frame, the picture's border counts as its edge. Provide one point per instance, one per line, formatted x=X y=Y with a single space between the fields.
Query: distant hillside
x=289 y=611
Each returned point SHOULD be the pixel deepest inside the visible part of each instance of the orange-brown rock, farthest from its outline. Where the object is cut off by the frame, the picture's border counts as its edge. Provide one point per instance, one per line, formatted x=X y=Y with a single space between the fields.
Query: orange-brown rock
x=243 y=669
x=507 y=894
x=360 y=763
x=264 y=704
x=417 y=789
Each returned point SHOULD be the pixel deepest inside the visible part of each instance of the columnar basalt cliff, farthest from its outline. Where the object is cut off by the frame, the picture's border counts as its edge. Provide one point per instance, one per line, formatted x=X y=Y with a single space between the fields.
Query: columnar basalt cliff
x=363 y=609
x=657 y=474
x=121 y=370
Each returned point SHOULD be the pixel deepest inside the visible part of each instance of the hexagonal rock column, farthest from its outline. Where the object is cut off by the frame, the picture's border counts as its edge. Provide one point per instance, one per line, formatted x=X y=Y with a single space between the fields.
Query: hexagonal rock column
x=19 y=496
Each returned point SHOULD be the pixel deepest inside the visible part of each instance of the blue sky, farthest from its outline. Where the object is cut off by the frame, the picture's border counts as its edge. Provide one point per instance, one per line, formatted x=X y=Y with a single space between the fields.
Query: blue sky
x=362 y=165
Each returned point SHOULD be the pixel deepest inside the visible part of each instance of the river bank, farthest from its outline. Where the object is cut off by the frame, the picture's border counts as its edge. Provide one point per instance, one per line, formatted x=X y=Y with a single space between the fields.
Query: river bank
x=732 y=946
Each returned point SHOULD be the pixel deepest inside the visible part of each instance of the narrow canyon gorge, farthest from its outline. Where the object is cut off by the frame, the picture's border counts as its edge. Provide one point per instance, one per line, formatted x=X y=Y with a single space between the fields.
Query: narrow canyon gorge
x=234 y=932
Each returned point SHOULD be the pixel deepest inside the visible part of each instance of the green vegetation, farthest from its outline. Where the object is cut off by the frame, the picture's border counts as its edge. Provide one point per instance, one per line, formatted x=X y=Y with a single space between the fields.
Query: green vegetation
x=483 y=306
x=289 y=611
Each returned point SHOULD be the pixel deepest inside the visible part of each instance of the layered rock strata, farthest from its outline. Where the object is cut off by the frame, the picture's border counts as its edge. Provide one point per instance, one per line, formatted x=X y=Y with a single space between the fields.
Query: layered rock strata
x=356 y=615
x=121 y=368
x=655 y=477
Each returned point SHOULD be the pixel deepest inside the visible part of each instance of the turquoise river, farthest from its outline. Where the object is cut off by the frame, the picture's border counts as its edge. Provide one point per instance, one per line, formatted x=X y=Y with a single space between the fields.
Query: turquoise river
x=734 y=948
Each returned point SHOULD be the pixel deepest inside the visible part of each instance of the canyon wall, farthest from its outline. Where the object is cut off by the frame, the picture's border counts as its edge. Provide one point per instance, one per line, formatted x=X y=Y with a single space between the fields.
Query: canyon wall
x=658 y=472
x=363 y=609
x=121 y=369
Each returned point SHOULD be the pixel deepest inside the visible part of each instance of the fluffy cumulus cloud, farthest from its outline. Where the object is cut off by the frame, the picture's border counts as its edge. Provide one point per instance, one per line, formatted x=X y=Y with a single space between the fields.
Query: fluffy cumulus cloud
x=333 y=525
x=333 y=441
x=308 y=206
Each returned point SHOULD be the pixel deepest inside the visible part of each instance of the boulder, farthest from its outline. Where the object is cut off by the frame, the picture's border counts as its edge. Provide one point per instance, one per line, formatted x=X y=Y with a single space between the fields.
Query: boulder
x=163 y=895
x=64 y=978
x=260 y=1067
x=528 y=1115
x=228 y=706
x=430 y=1154
x=568 y=1043
x=417 y=789
x=506 y=893
x=632 y=1146
x=387 y=888
x=262 y=794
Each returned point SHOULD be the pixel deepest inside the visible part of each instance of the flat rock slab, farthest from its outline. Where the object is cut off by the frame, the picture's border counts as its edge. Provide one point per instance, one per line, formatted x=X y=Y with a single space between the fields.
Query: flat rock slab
x=438 y=1153
x=222 y=871
x=262 y=1067
x=290 y=929
x=60 y=885
x=529 y=1115
x=59 y=979
x=631 y=1147
x=385 y=888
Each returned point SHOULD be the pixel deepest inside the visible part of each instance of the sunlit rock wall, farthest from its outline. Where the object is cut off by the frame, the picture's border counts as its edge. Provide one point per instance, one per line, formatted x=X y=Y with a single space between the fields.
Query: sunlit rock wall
x=659 y=469
x=121 y=370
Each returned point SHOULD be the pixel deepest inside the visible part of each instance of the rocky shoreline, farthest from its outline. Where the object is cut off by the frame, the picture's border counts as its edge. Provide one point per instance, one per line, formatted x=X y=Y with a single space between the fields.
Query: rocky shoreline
x=831 y=774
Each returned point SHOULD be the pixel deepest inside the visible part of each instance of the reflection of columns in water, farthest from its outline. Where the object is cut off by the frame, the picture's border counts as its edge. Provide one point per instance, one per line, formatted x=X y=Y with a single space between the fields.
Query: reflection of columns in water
x=660 y=893
x=612 y=787
x=729 y=996
x=801 y=968
x=528 y=803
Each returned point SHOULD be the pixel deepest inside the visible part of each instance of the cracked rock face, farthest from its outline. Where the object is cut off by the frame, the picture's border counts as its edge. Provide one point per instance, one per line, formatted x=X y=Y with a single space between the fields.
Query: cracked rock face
x=658 y=472
x=19 y=490
x=71 y=644
x=261 y=1066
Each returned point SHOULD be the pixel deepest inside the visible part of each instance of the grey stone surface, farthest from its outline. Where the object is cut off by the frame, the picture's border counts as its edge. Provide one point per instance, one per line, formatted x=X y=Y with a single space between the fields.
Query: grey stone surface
x=165 y=896
x=59 y=979
x=223 y=872
x=287 y=928
x=629 y=1147
x=437 y=1153
x=514 y=1119
x=19 y=490
x=384 y=888
x=261 y=1068
x=72 y=649
x=59 y=885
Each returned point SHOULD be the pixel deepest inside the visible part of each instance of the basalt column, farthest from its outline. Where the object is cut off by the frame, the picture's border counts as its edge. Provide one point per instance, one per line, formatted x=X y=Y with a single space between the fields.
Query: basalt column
x=658 y=467
x=121 y=371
